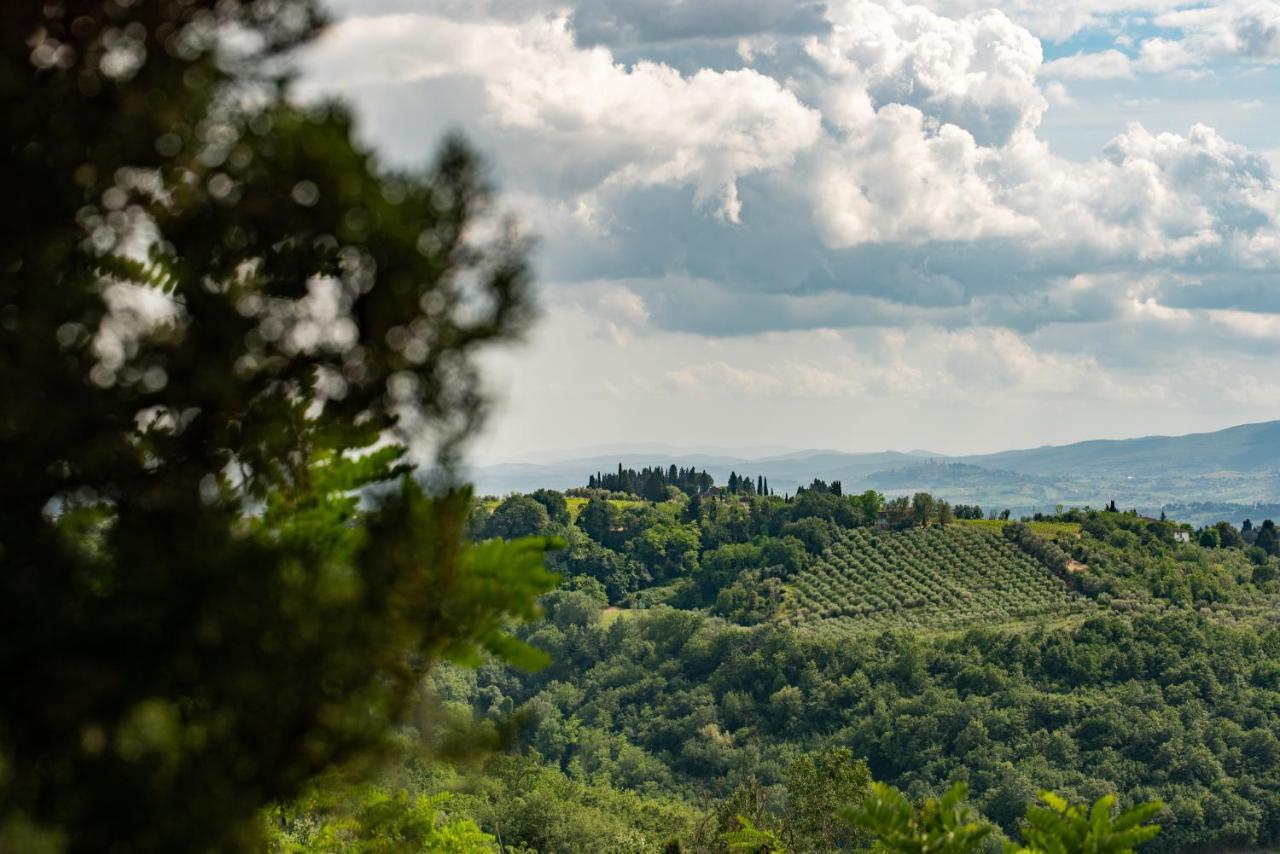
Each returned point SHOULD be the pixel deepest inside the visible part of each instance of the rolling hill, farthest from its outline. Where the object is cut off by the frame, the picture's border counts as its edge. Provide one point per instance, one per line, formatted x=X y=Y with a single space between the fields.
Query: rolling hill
x=1248 y=447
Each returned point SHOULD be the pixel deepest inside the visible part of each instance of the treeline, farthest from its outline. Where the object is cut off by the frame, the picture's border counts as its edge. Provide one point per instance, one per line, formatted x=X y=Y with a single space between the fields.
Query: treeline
x=1261 y=541
x=653 y=482
x=1264 y=538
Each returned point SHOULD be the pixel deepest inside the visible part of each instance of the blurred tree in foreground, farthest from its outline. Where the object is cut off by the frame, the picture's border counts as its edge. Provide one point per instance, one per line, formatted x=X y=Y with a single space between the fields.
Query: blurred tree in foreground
x=945 y=826
x=216 y=311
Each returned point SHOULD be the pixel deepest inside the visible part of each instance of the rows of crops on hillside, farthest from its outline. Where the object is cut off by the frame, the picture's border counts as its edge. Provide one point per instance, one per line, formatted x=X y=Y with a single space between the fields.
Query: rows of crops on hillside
x=930 y=578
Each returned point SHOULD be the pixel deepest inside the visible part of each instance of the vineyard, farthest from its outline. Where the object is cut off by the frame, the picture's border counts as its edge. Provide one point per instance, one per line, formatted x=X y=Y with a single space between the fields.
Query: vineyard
x=930 y=578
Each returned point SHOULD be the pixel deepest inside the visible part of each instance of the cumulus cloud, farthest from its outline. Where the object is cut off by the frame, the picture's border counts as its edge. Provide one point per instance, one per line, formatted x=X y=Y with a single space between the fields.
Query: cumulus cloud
x=901 y=180
x=921 y=105
x=977 y=72
x=936 y=141
x=1155 y=56
x=1099 y=65
x=1184 y=196
x=884 y=172
x=587 y=117
x=1240 y=28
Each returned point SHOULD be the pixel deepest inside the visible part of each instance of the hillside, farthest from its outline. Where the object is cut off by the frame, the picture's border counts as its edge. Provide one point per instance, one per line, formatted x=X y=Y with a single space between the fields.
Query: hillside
x=703 y=651
x=928 y=579
x=1246 y=448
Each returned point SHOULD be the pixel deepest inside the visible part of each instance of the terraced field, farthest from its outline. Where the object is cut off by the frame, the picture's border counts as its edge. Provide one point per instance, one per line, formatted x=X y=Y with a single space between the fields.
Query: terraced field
x=930 y=579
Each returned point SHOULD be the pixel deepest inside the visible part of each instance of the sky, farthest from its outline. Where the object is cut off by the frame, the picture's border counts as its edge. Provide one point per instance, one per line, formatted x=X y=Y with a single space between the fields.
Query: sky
x=855 y=224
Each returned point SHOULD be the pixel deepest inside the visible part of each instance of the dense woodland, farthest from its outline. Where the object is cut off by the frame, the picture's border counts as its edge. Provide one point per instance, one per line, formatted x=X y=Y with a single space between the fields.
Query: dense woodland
x=693 y=681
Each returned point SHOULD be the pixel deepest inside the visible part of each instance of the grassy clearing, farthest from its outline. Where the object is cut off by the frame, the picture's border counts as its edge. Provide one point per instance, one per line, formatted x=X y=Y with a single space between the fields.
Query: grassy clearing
x=611 y=615
x=576 y=504
x=1044 y=529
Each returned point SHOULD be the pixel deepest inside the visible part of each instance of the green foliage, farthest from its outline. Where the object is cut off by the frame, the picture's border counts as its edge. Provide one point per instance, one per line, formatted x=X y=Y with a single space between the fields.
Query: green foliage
x=1174 y=704
x=216 y=308
x=1138 y=564
x=938 y=826
x=600 y=520
x=1059 y=827
x=518 y=516
x=818 y=784
x=815 y=533
x=749 y=839
x=619 y=574
x=720 y=567
x=667 y=550
x=372 y=820
x=554 y=502
x=947 y=826
x=749 y=600
x=527 y=804
x=738 y=821
x=923 y=508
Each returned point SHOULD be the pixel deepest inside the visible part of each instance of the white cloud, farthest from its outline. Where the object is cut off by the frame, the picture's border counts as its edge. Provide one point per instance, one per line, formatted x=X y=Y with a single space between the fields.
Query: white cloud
x=1100 y=65
x=1155 y=56
x=885 y=177
x=1248 y=323
x=954 y=391
x=900 y=180
x=1057 y=93
x=916 y=96
x=1241 y=28
x=579 y=109
x=930 y=133
x=976 y=72
x=921 y=103
x=623 y=312
x=1155 y=197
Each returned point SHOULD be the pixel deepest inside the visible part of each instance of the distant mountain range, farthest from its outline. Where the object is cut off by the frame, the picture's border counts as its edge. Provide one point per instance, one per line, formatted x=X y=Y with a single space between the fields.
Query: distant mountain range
x=1244 y=448
x=1203 y=476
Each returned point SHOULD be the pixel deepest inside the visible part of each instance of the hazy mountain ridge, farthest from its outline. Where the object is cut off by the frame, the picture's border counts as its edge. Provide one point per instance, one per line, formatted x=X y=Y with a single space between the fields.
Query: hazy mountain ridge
x=1247 y=447
x=1238 y=467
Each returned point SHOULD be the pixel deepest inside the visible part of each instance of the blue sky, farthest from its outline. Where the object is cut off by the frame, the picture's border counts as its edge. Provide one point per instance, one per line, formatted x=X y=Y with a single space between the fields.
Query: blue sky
x=856 y=224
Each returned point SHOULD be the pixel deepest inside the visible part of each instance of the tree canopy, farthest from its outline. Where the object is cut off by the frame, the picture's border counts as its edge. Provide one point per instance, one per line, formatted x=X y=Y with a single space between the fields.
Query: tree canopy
x=220 y=318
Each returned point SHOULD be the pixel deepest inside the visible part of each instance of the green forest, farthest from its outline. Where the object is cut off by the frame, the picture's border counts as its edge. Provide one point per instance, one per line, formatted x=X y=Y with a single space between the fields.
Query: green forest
x=242 y=609
x=710 y=649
